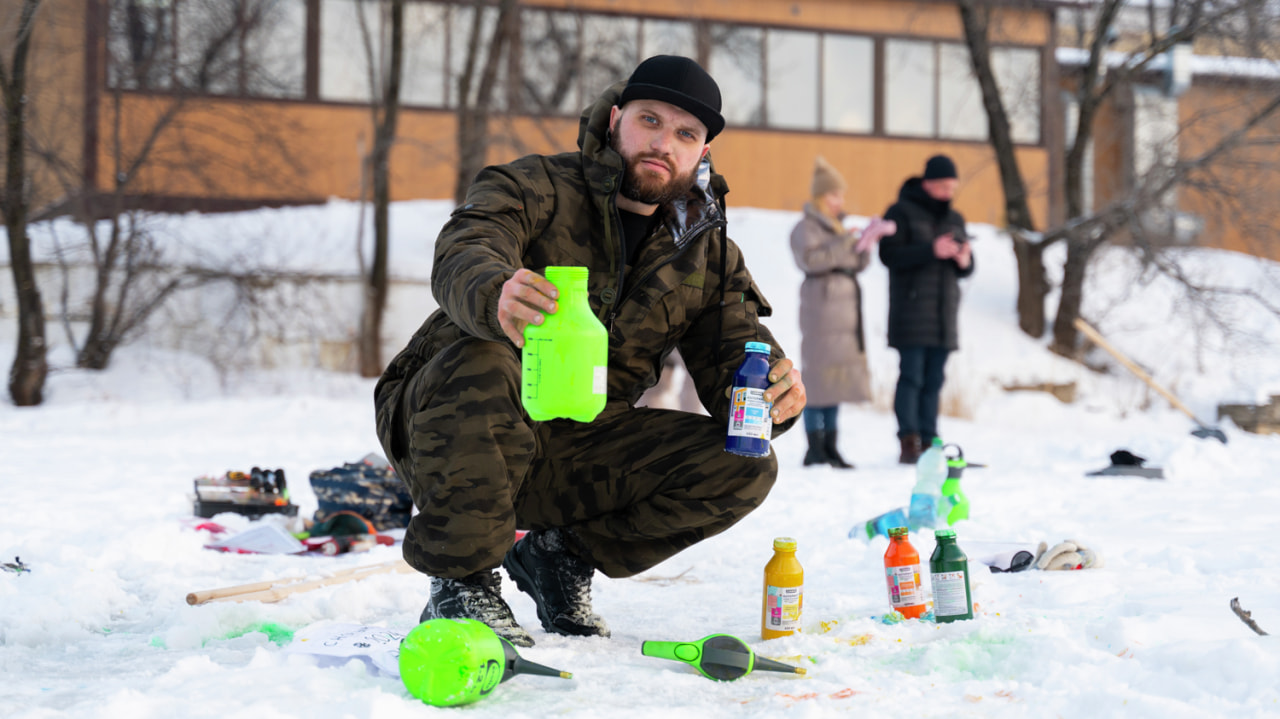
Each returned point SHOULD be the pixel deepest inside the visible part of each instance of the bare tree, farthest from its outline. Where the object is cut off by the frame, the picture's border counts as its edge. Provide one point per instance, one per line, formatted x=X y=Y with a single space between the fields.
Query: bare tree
x=385 y=108
x=1099 y=79
x=30 y=364
x=476 y=85
x=176 y=132
x=1033 y=286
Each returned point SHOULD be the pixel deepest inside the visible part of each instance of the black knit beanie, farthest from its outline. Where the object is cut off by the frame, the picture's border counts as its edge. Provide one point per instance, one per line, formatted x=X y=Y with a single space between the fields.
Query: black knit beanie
x=939 y=167
x=681 y=82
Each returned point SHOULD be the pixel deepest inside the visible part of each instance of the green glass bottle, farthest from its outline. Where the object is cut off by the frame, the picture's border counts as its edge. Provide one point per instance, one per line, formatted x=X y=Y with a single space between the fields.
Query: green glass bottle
x=949 y=575
x=565 y=360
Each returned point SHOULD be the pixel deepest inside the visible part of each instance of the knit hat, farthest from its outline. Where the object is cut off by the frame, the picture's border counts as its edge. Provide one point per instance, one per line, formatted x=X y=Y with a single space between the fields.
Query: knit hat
x=826 y=177
x=939 y=167
x=681 y=82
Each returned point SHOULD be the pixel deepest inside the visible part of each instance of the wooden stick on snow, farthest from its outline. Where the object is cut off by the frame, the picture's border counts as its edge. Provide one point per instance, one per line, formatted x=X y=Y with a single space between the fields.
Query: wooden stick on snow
x=277 y=589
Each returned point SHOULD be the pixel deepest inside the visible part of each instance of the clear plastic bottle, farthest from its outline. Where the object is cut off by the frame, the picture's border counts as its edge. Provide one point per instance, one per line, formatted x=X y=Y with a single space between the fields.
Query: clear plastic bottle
x=565 y=360
x=949 y=577
x=783 y=591
x=902 y=574
x=931 y=472
x=750 y=424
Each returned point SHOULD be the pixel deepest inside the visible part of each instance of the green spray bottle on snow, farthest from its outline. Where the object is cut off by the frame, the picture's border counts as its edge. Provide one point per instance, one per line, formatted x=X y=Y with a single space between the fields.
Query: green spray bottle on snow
x=953 y=505
x=446 y=662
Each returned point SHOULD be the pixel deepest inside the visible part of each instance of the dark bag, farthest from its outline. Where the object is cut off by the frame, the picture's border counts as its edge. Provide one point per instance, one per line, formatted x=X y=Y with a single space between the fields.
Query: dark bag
x=369 y=488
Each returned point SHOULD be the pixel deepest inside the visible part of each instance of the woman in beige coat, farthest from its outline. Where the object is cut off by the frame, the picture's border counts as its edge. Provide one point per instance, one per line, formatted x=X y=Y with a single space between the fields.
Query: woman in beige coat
x=832 y=348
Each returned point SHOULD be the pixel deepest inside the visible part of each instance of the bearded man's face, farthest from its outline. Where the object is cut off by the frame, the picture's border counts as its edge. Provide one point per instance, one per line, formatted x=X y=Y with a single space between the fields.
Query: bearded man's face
x=661 y=146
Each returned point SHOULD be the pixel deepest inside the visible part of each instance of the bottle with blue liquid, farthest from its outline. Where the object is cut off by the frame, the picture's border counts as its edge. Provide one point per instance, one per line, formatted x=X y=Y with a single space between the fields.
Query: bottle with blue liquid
x=926 y=499
x=750 y=424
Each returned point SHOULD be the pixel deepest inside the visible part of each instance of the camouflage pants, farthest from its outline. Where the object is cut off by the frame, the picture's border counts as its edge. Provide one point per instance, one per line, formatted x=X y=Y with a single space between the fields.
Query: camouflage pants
x=635 y=486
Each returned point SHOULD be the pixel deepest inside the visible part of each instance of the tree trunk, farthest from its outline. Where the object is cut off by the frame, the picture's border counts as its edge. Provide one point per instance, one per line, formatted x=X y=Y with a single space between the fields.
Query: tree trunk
x=1033 y=287
x=473 y=117
x=1065 y=336
x=375 y=300
x=30 y=362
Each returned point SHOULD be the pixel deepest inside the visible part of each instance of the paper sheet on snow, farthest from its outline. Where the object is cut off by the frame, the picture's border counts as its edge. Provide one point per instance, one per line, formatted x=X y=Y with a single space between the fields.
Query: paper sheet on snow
x=263 y=539
x=333 y=643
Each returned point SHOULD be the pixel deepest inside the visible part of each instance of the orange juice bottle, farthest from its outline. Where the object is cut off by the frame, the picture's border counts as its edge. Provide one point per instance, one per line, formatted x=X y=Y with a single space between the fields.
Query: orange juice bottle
x=902 y=573
x=783 y=591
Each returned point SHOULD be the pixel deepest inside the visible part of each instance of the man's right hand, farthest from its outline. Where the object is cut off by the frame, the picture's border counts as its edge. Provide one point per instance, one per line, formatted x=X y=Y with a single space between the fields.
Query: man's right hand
x=945 y=247
x=524 y=299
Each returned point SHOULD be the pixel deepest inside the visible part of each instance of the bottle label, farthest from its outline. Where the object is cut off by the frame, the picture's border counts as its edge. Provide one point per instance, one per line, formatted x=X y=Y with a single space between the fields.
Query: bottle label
x=782 y=608
x=600 y=379
x=749 y=414
x=949 y=597
x=904 y=585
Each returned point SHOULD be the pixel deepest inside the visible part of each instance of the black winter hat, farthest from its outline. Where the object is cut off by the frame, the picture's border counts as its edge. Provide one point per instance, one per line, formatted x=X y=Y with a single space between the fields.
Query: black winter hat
x=939 y=167
x=681 y=82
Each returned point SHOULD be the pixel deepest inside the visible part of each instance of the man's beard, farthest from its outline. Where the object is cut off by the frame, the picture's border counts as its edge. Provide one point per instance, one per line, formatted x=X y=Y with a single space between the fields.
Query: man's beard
x=646 y=189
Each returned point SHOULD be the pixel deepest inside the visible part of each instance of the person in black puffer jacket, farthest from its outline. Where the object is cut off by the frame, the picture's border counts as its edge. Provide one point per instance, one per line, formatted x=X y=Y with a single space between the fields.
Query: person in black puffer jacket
x=926 y=257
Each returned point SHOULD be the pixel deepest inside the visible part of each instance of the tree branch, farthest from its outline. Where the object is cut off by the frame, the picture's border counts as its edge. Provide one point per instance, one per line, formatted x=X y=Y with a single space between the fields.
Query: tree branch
x=1246 y=616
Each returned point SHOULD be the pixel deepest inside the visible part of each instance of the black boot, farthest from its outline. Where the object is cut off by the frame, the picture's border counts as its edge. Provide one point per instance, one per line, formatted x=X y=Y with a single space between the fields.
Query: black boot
x=558 y=581
x=817 y=453
x=833 y=454
x=478 y=597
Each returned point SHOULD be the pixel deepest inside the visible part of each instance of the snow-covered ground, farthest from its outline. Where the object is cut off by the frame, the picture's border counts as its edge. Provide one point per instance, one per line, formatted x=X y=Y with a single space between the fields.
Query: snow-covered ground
x=96 y=483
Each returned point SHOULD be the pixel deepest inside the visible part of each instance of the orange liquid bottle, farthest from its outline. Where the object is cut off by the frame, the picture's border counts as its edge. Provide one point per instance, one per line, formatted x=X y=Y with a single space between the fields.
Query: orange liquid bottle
x=902 y=573
x=783 y=591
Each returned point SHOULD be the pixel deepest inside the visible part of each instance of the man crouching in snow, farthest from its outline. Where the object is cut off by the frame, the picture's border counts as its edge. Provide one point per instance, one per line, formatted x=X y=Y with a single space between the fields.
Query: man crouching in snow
x=640 y=206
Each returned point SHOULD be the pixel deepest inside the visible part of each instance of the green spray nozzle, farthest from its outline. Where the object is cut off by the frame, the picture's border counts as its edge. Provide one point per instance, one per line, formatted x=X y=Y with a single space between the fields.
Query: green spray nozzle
x=446 y=662
x=722 y=657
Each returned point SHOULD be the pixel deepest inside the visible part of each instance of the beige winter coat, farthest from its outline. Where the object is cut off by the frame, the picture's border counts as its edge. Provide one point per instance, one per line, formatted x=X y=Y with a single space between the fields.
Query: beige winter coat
x=833 y=355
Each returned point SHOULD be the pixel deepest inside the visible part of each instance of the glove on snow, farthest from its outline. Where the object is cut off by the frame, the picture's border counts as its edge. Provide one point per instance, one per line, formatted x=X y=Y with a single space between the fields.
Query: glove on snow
x=1068 y=554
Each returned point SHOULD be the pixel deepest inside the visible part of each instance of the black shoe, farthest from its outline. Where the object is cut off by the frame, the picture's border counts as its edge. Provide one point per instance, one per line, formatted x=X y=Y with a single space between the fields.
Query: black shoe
x=817 y=453
x=478 y=597
x=833 y=454
x=559 y=583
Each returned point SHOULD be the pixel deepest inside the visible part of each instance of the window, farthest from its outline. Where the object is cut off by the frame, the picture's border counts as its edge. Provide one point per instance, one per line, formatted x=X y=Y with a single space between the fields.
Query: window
x=668 y=37
x=736 y=64
x=610 y=52
x=348 y=29
x=234 y=47
x=1017 y=72
x=910 y=78
x=422 y=78
x=551 y=55
x=461 y=22
x=848 y=84
x=791 y=81
x=961 y=115
x=140 y=44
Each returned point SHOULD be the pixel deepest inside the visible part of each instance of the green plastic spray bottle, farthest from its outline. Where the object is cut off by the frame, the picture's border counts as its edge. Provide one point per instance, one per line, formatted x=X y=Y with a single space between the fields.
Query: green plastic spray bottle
x=446 y=662
x=565 y=360
x=953 y=505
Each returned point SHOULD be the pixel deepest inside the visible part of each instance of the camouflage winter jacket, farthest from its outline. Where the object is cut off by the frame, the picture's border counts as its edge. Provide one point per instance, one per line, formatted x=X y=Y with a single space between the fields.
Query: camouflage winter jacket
x=542 y=211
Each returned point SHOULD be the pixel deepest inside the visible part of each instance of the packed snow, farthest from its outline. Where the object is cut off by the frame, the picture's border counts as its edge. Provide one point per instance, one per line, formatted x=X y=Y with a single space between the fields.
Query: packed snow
x=97 y=486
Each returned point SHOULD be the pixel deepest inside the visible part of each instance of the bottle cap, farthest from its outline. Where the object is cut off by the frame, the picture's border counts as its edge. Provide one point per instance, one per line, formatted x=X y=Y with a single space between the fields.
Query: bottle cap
x=897 y=532
x=758 y=347
x=944 y=534
x=784 y=544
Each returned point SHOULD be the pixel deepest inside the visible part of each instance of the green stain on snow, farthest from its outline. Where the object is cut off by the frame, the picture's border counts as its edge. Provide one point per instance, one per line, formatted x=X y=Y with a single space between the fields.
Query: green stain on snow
x=278 y=634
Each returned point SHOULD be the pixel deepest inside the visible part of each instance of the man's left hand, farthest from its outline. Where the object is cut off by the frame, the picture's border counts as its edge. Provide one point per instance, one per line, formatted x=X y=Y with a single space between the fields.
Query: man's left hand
x=786 y=391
